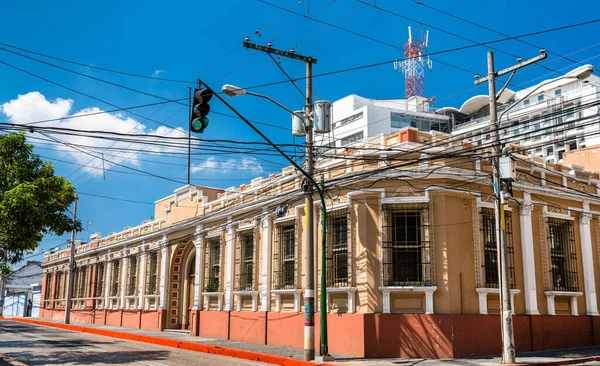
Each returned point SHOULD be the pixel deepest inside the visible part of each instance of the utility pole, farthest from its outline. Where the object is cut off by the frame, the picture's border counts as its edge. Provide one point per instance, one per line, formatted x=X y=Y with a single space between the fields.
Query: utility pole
x=309 y=264
x=508 y=338
x=71 y=268
x=189 y=162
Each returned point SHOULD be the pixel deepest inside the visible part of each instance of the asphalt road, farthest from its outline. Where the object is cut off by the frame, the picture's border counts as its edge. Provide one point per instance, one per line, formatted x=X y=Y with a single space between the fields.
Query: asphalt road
x=38 y=345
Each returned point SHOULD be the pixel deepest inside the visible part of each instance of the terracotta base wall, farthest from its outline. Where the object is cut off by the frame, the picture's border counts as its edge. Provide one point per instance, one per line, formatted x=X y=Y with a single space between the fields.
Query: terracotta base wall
x=150 y=320
x=131 y=319
x=374 y=335
x=100 y=317
x=214 y=324
x=82 y=316
x=284 y=329
x=248 y=326
x=113 y=317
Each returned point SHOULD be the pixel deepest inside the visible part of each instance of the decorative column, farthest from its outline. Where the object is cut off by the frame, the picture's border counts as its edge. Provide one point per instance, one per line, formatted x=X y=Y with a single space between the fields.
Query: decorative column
x=530 y=290
x=229 y=266
x=266 y=224
x=198 y=281
x=164 y=273
x=164 y=282
x=587 y=258
x=124 y=274
x=107 y=279
x=142 y=275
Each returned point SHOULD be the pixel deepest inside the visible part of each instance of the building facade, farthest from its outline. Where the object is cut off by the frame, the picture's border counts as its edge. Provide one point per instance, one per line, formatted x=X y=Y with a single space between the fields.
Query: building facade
x=411 y=256
x=20 y=291
x=552 y=117
x=356 y=119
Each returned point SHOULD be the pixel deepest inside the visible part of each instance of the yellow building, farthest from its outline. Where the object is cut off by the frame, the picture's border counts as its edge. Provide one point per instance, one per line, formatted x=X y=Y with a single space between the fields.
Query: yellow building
x=411 y=268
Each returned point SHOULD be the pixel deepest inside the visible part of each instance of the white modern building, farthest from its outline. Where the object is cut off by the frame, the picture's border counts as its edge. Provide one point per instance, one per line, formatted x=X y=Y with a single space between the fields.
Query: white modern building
x=355 y=119
x=21 y=290
x=549 y=118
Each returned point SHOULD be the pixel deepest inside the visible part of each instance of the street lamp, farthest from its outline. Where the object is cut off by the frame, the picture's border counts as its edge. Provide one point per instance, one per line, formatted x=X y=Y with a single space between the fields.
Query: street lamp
x=234 y=91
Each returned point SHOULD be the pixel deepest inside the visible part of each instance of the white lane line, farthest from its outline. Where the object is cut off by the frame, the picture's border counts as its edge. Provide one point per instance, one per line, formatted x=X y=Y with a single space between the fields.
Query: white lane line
x=152 y=363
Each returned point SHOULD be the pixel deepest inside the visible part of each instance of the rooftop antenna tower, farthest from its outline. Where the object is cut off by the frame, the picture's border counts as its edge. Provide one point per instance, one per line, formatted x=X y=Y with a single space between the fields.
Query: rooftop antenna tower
x=414 y=64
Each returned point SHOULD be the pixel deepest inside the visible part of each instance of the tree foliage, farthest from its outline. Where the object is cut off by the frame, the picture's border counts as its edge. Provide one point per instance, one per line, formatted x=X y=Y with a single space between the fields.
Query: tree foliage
x=33 y=201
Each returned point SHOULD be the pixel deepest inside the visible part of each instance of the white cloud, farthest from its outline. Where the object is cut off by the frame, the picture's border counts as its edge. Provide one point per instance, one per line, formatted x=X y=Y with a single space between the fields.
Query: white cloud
x=34 y=106
x=211 y=165
x=157 y=73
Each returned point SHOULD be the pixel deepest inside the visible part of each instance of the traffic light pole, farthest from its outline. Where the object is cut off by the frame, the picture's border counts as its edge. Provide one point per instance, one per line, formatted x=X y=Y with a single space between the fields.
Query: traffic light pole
x=71 y=269
x=508 y=339
x=189 y=164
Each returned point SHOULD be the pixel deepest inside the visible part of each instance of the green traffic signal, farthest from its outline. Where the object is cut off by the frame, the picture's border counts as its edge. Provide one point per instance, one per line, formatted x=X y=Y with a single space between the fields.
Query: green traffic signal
x=198 y=125
x=200 y=108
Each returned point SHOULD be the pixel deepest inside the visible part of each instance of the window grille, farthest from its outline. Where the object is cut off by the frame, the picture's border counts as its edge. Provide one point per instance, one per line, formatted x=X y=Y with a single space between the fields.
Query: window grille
x=337 y=244
x=100 y=280
x=563 y=255
x=58 y=289
x=114 y=290
x=48 y=286
x=214 y=269
x=285 y=257
x=152 y=274
x=245 y=276
x=81 y=277
x=407 y=255
x=131 y=286
x=490 y=249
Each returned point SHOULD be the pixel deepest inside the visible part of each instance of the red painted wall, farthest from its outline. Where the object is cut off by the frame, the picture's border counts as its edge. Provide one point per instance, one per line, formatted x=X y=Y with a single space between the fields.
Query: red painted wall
x=113 y=317
x=248 y=326
x=131 y=319
x=214 y=324
x=150 y=320
x=567 y=331
x=284 y=329
x=342 y=334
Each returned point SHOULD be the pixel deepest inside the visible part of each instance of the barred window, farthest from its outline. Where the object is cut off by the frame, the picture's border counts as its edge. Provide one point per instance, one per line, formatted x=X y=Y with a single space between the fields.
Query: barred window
x=214 y=269
x=406 y=247
x=58 y=288
x=490 y=249
x=563 y=255
x=152 y=274
x=80 y=282
x=116 y=271
x=131 y=285
x=100 y=280
x=48 y=286
x=285 y=257
x=337 y=244
x=245 y=279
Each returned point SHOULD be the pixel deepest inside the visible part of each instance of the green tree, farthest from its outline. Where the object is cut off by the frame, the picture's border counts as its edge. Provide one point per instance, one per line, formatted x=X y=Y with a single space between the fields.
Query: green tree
x=33 y=201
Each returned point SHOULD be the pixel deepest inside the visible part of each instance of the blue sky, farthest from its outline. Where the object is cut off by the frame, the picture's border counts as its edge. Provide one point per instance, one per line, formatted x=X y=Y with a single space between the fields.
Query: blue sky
x=182 y=40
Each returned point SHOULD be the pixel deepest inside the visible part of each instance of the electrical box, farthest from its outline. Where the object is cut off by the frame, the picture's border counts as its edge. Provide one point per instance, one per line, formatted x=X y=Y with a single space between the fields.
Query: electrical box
x=508 y=168
x=298 y=127
x=322 y=113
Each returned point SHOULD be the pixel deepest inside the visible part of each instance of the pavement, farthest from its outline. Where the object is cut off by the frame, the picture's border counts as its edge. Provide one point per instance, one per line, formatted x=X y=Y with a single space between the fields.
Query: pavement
x=291 y=356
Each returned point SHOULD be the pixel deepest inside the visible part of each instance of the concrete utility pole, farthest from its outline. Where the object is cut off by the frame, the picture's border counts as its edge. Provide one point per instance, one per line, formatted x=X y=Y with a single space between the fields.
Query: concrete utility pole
x=508 y=338
x=71 y=269
x=309 y=263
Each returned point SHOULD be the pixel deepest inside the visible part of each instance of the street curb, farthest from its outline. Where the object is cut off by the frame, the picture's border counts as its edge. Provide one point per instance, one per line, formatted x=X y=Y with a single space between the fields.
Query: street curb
x=10 y=359
x=198 y=347
x=570 y=361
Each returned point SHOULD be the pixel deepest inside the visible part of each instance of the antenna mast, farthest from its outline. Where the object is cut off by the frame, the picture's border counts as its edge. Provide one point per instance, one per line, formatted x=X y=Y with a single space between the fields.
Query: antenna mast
x=413 y=65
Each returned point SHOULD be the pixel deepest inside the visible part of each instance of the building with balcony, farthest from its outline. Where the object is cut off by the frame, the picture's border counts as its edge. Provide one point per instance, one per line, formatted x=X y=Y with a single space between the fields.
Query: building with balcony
x=548 y=119
x=411 y=265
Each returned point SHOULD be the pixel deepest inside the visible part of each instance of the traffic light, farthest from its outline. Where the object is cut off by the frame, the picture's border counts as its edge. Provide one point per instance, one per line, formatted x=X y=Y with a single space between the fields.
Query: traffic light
x=200 y=109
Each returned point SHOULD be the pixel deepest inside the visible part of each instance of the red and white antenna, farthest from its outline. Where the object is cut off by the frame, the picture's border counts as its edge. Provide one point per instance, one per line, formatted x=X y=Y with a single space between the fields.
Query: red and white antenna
x=413 y=65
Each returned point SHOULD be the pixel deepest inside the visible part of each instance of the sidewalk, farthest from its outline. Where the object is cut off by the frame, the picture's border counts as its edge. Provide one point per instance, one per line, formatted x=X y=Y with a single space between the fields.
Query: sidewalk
x=293 y=357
